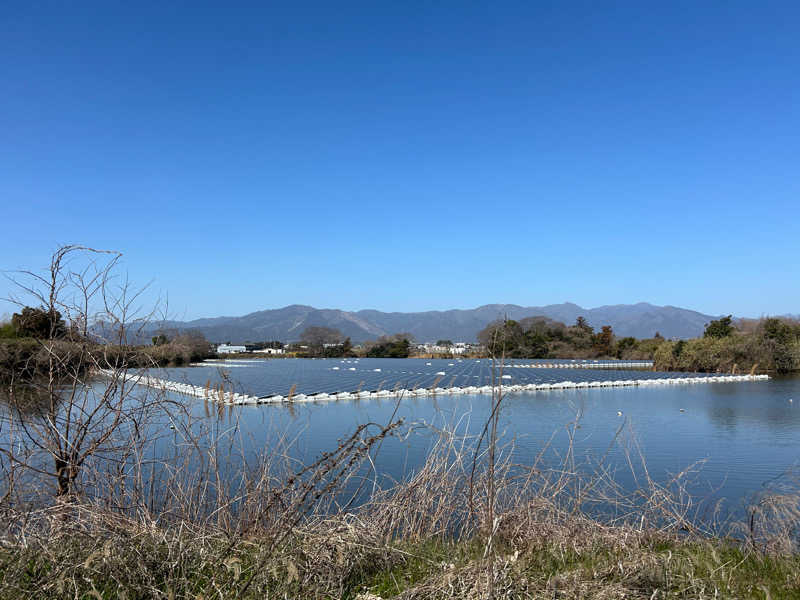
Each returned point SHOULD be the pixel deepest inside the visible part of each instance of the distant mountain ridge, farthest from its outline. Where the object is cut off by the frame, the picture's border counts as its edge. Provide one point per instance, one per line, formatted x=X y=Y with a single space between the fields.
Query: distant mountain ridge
x=286 y=324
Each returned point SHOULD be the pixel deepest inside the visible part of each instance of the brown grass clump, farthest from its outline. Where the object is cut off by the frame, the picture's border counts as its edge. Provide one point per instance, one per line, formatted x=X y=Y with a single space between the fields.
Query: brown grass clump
x=110 y=490
x=415 y=540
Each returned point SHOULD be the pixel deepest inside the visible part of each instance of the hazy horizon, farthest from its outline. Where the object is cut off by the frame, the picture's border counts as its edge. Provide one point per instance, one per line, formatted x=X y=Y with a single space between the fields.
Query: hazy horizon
x=461 y=308
x=6 y=307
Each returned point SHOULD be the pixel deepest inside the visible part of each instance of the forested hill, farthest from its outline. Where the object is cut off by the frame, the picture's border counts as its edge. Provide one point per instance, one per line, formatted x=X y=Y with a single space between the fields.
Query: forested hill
x=640 y=320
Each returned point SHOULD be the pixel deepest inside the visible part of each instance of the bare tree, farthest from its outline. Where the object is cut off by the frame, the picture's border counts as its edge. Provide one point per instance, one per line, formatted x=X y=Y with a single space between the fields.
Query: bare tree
x=79 y=405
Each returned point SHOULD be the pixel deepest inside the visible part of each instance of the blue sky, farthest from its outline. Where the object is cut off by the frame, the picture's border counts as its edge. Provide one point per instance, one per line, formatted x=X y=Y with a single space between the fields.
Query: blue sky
x=409 y=156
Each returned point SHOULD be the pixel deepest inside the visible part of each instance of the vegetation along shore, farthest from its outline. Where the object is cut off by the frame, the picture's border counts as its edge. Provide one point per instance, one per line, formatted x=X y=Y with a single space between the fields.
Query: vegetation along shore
x=93 y=506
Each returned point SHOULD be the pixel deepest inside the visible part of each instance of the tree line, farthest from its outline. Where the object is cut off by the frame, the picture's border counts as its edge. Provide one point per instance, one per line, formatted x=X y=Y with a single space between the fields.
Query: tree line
x=541 y=337
x=327 y=342
x=768 y=344
x=23 y=356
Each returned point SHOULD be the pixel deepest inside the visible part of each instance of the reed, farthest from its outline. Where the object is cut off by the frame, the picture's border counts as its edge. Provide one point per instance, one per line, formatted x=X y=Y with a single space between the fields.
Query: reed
x=111 y=490
x=179 y=532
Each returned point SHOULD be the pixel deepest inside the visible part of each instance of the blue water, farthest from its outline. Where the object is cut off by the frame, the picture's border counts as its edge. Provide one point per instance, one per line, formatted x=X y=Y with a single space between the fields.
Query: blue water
x=747 y=434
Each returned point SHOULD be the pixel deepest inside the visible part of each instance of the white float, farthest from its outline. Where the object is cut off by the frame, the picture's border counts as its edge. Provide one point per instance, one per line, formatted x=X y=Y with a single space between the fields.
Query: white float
x=230 y=397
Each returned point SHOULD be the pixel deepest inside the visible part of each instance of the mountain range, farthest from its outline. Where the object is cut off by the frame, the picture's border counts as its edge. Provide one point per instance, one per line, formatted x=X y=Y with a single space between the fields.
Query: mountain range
x=640 y=320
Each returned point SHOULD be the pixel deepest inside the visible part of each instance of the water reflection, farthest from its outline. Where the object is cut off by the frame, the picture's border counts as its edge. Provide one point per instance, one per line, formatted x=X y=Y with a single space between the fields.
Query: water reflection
x=27 y=401
x=751 y=405
x=748 y=433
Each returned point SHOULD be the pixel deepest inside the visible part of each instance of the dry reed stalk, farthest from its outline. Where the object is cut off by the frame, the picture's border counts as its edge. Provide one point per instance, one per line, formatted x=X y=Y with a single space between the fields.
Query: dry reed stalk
x=170 y=501
x=314 y=546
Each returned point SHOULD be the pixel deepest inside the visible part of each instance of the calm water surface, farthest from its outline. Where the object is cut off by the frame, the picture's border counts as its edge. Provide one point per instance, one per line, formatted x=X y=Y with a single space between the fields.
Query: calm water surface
x=747 y=433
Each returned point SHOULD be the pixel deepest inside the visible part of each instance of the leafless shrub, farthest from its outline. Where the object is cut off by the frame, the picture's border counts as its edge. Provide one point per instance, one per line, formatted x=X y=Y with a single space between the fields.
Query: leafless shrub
x=148 y=500
x=76 y=419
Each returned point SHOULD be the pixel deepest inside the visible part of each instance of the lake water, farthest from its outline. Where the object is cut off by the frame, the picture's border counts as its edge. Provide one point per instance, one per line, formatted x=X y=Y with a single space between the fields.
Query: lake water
x=747 y=433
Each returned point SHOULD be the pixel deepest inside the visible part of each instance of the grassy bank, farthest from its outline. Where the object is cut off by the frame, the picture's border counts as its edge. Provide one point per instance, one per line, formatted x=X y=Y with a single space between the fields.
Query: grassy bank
x=769 y=345
x=111 y=490
x=463 y=525
x=346 y=558
x=29 y=359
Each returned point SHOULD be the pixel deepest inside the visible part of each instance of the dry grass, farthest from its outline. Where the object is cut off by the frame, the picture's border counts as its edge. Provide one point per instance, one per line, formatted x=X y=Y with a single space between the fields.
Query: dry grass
x=108 y=490
x=282 y=534
x=346 y=557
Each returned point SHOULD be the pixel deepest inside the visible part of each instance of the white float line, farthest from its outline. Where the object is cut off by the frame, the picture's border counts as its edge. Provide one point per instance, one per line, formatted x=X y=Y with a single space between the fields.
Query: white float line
x=227 y=397
x=235 y=398
x=579 y=365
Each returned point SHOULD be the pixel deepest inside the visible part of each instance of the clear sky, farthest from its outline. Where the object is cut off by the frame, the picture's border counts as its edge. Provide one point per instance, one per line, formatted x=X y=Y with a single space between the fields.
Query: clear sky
x=410 y=155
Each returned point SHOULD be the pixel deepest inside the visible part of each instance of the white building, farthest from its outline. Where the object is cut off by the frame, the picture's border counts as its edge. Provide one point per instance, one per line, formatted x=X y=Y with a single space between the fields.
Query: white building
x=226 y=349
x=455 y=349
x=271 y=351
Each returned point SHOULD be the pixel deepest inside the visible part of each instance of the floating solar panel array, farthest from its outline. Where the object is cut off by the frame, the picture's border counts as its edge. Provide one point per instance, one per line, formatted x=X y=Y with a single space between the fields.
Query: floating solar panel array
x=267 y=377
x=302 y=380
